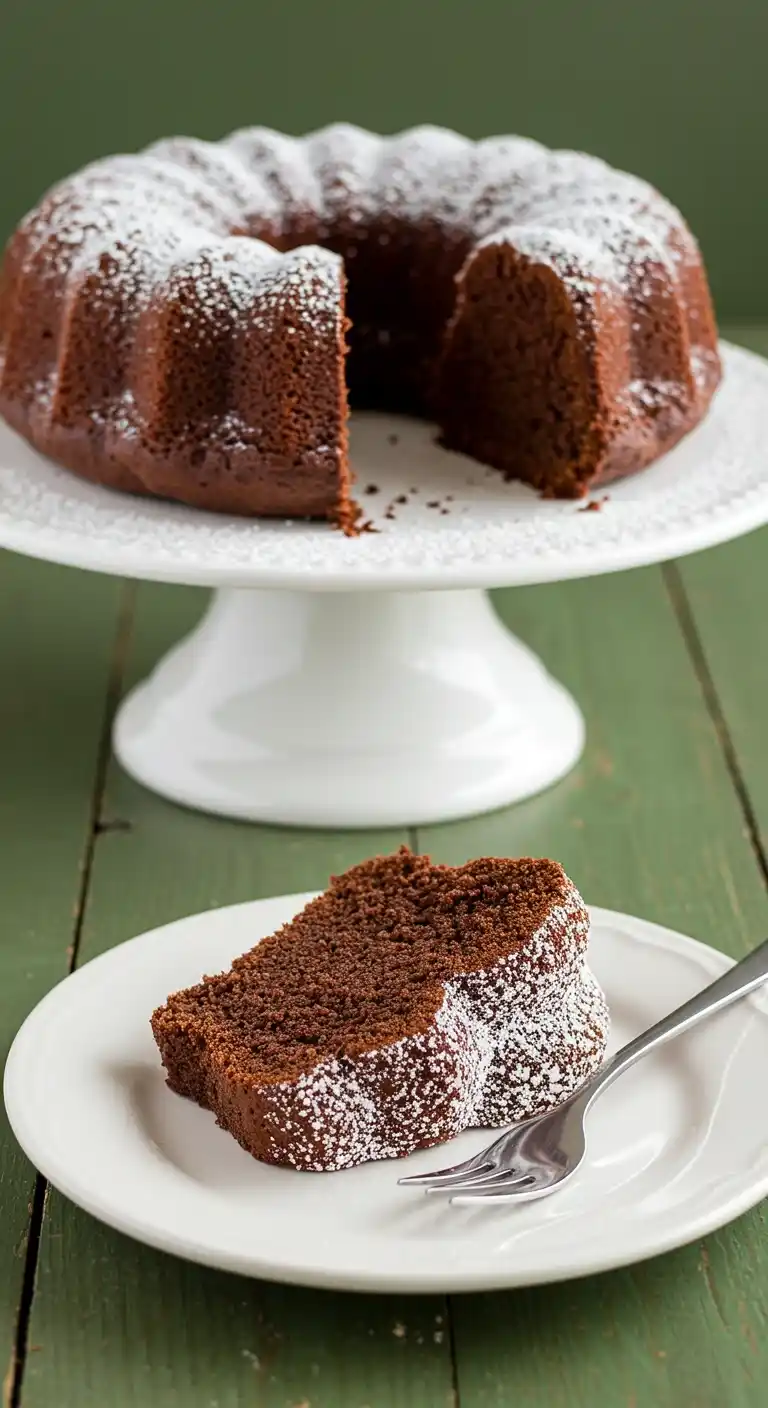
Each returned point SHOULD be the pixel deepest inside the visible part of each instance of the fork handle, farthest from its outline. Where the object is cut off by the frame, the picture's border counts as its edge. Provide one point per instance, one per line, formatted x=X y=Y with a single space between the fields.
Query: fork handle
x=743 y=978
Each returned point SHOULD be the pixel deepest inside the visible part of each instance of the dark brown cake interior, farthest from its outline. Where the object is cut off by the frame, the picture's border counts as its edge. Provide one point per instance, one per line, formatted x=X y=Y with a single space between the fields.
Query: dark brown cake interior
x=400 y=297
x=364 y=964
x=515 y=389
x=504 y=372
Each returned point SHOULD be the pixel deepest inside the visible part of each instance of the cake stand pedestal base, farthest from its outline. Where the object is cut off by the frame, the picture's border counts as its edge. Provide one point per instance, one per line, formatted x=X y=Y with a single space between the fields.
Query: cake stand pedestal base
x=349 y=710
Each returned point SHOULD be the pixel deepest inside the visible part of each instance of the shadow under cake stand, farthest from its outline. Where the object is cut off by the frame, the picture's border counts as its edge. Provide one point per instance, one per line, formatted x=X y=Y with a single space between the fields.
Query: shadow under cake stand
x=368 y=682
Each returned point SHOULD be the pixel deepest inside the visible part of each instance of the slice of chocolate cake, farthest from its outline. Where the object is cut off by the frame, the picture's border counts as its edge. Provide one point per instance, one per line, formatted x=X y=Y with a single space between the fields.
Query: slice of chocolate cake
x=409 y=1002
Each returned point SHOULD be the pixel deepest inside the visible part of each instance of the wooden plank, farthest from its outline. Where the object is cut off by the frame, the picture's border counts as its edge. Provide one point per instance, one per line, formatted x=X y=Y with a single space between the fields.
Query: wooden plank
x=721 y=599
x=650 y=823
x=57 y=630
x=114 y=1323
x=651 y=800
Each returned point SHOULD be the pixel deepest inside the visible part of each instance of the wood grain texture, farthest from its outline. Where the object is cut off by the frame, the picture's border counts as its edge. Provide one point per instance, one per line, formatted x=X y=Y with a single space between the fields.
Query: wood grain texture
x=115 y=1323
x=649 y=823
x=670 y=671
x=56 y=635
x=723 y=602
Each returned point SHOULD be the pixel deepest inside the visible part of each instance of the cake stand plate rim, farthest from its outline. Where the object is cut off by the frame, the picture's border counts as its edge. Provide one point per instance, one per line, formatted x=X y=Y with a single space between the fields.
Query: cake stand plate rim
x=711 y=488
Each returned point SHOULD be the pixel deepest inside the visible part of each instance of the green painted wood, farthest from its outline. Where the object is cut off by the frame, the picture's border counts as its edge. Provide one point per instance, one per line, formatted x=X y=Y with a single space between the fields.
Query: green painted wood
x=56 y=634
x=650 y=823
x=114 y=1323
x=676 y=93
x=117 y=1324
x=635 y=826
x=726 y=592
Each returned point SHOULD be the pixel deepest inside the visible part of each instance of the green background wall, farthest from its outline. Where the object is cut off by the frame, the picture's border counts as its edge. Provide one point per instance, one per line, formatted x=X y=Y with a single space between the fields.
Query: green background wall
x=674 y=89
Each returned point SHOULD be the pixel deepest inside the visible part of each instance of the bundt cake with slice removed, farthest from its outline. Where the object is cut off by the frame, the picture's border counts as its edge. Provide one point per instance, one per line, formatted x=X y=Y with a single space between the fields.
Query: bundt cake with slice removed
x=409 y=1002
x=174 y=323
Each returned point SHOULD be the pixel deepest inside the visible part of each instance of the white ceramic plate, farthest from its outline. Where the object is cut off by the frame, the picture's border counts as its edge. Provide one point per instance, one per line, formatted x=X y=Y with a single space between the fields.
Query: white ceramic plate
x=709 y=489
x=677 y=1147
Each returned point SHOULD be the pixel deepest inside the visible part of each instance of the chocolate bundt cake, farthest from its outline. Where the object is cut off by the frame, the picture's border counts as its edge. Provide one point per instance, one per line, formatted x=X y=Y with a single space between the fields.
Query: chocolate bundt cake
x=174 y=323
x=409 y=1002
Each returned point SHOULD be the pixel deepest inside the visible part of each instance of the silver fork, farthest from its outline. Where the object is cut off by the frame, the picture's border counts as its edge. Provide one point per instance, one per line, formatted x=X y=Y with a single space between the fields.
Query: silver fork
x=537 y=1157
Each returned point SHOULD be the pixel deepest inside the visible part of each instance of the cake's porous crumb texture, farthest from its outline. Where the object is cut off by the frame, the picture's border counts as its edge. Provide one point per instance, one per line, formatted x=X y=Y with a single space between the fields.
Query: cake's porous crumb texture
x=407 y=1003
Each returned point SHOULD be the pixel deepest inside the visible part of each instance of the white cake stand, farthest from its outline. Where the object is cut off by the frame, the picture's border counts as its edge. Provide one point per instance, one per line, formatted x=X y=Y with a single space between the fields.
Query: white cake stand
x=368 y=682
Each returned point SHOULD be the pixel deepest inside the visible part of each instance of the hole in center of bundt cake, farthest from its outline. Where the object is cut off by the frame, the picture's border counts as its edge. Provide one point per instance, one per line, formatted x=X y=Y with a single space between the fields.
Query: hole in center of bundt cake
x=484 y=341
x=365 y=964
x=400 y=297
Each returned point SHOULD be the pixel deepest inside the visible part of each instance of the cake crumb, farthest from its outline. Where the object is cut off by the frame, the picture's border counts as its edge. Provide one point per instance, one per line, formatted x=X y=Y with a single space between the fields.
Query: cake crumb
x=347 y=516
x=253 y=1359
x=594 y=505
x=398 y=1330
x=371 y=488
x=401 y=499
x=438 y=1337
x=393 y=439
x=433 y=503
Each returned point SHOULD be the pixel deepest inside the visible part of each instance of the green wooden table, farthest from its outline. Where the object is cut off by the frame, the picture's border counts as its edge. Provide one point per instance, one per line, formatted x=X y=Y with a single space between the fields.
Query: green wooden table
x=667 y=818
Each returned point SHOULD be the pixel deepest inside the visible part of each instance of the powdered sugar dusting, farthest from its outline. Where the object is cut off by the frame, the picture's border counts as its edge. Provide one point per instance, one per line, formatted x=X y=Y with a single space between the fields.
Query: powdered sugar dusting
x=505 y=1043
x=184 y=231
x=645 y=395
x=151 y=211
